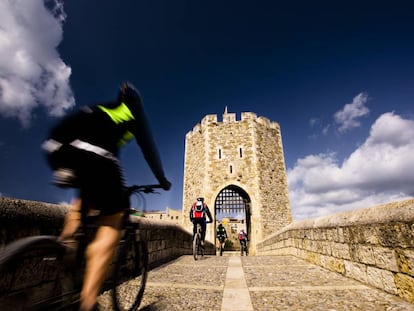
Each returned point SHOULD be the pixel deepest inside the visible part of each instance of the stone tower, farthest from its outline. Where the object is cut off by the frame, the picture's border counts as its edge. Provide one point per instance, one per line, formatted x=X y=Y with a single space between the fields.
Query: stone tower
x=237 y=165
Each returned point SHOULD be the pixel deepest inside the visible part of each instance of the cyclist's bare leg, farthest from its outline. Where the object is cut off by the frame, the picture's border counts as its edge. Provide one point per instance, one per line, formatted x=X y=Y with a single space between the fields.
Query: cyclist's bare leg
x=72 y=220
x=98 y=258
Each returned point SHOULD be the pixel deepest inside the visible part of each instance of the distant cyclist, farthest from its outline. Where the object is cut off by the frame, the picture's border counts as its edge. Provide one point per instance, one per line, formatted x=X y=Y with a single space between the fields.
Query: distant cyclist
x=221 y=233
x=198 y=215
x=243 y=238
x=82 y=150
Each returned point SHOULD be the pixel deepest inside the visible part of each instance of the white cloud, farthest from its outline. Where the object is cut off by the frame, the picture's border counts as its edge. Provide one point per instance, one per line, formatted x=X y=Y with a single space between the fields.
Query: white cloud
x=31 y=72
x=347 y=118
x=378 y=171
x=313 y=122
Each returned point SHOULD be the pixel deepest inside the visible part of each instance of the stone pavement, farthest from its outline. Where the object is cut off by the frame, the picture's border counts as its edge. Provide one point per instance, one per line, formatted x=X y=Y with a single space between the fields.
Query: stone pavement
x=233 y=283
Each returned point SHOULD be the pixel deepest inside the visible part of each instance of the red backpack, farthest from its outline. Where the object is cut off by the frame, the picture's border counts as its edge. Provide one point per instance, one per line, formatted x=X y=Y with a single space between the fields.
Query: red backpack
x=242 y=235
x=198 y=210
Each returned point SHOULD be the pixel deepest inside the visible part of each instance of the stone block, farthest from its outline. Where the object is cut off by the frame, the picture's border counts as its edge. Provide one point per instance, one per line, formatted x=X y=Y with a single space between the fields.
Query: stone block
x=405 y=261
x=385 y=258
x=365 y=254
x=390 y=235
x=335 y=264
x=405 y=286
x=356 y=271
x=381 y=279
x=407 y=235
x=341 y=250
x=341 y=238
x=370 y=234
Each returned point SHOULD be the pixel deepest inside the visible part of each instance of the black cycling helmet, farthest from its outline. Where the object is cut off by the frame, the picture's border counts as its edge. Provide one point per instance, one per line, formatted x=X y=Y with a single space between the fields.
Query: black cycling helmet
x=127 y=92
x=200 y=199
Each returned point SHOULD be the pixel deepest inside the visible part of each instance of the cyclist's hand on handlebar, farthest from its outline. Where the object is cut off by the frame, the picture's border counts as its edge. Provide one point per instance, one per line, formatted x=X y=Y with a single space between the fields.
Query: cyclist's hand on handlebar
x=165 y=184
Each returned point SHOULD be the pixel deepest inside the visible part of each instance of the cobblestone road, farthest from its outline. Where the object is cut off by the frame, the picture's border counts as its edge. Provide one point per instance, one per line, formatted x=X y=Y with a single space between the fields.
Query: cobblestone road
x=273 y=282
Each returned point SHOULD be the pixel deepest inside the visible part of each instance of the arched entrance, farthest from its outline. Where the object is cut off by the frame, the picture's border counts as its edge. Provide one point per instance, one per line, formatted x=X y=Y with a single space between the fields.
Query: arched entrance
x=232 y=209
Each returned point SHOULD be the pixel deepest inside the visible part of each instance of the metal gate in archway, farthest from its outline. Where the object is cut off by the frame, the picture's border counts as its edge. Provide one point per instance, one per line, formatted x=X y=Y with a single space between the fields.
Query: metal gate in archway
x=233 y=205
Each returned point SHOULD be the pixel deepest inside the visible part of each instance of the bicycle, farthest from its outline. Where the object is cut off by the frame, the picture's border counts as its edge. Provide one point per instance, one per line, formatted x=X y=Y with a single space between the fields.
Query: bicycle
x=243 y=248
x=198 y=249
x=52 y=271
x=221 y=239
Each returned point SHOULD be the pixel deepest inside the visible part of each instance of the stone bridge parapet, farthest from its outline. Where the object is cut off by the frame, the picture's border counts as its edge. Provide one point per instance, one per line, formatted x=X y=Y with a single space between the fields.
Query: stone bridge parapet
x=372 y=245
x=21 y=218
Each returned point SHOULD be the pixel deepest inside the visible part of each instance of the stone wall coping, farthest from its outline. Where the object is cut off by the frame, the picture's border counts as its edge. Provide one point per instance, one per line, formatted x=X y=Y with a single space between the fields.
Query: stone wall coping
x=11 y=208
x=159 y=224
x=14 y=207
x=401 y=211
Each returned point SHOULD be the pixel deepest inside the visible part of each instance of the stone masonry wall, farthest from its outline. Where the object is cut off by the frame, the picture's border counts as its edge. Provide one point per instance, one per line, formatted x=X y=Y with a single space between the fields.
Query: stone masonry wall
x=246 y=153
x=373 y=245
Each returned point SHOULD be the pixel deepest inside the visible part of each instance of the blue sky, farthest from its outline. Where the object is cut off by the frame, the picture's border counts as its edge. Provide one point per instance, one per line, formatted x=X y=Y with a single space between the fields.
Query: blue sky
x=337 y=76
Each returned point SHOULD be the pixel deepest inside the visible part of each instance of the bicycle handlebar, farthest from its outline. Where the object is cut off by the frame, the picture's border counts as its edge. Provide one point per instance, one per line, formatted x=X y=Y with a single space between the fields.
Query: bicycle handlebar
x=142 y=188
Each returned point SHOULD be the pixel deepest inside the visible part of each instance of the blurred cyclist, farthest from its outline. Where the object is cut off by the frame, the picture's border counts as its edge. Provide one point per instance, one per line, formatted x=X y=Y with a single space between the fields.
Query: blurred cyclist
x=83 y=152
x=243 y=238
x=221 y=233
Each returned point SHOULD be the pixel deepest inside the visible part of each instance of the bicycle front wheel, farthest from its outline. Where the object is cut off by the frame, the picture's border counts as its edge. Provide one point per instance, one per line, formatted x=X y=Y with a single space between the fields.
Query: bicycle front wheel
x=130 y=275
x=33 y=276
x=196 y=246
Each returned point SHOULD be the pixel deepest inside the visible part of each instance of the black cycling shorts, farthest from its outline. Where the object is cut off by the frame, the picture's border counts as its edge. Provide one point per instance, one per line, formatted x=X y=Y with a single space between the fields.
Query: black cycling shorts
x=100 y=180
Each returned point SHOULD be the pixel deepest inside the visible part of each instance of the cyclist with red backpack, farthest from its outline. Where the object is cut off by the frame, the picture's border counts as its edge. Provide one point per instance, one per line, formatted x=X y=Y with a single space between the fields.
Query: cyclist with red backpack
x=198 y=215
x=243 y=238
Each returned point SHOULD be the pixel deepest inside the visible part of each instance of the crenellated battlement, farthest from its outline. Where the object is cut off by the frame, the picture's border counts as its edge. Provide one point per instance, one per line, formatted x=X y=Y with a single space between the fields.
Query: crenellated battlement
x=228 y=118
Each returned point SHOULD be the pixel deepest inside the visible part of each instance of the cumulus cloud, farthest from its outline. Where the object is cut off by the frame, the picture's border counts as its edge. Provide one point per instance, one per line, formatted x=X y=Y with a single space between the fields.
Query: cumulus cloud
x=378 y=171
x=32 y=74
x=347 y=118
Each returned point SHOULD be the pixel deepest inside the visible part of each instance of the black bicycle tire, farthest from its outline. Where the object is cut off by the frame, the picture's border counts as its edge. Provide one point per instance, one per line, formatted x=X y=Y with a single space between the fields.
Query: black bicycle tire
x=221 y=249
x=14 y=265
x=195 y=246
x=141 y=264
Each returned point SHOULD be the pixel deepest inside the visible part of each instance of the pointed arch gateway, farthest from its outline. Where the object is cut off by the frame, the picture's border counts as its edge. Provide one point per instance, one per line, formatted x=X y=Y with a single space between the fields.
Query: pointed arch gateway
x=234 y=204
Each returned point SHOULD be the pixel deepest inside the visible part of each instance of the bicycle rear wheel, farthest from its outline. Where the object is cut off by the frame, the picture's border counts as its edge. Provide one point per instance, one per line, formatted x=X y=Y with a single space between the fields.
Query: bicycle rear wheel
x=33 y=276
x=129 y=275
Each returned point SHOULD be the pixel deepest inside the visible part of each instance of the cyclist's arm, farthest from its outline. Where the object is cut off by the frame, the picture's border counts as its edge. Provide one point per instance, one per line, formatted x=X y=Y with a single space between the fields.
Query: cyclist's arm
x=209 y=214
x=145 y=140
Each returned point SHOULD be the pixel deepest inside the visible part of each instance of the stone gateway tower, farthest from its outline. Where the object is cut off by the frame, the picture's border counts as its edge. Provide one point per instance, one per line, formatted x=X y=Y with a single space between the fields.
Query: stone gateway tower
x=238 y=167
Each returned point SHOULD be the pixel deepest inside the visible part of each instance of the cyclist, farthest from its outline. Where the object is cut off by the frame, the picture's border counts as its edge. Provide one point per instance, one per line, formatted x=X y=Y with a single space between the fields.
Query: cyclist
x=243 y=239
x=221 y=233
x=82 y=150
x=198 y=213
